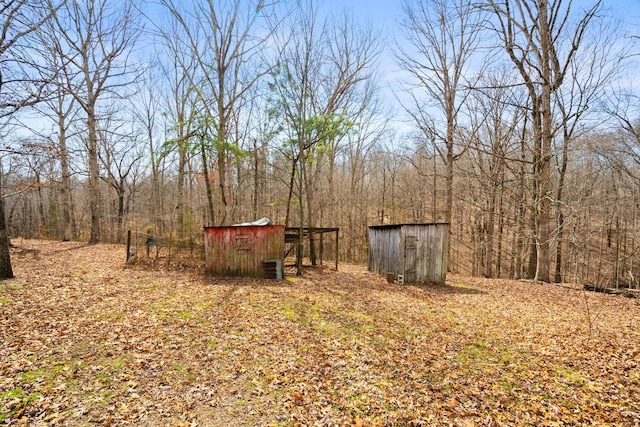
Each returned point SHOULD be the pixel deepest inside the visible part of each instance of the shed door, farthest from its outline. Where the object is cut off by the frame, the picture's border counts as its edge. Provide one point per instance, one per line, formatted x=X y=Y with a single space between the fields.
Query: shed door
x=410 y=255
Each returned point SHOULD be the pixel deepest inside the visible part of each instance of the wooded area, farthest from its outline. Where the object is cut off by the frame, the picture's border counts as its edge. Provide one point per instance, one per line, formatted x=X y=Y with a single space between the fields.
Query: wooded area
x=517 y=123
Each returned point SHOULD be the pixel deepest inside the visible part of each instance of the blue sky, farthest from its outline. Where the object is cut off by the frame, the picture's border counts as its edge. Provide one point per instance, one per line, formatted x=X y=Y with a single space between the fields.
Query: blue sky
x=386 y=14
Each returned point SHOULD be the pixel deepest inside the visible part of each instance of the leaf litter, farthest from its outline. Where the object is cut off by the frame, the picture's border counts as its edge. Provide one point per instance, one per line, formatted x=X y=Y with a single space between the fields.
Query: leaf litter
x=86 y=341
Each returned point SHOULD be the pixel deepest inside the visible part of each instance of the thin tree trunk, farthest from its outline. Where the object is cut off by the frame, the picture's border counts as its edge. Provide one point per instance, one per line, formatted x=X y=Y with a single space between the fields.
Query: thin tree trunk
x=434 y=194
x=309 y=192
x=223 y=179
x=534 y=246
x=42 y=220
x=155 y=181
x=6 y=272
x=521 y=217
x=94 y=177
x=490 y=232
x=300 y=252
x=292 y=178
x=207 y=183
x=559 y=211
x=68 y=219
x=121 y=212
x=256 y=180
x=501 y=216
x=182 y=165
x=449 y=180
x=222 y=135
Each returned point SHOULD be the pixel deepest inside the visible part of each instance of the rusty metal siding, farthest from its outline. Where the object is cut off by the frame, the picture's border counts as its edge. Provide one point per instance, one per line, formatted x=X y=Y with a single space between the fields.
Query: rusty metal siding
x=240 y=250
x=419 y=252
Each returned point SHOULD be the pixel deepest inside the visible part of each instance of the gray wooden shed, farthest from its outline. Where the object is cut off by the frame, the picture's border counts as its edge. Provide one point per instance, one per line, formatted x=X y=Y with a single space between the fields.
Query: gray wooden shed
x=411 y=252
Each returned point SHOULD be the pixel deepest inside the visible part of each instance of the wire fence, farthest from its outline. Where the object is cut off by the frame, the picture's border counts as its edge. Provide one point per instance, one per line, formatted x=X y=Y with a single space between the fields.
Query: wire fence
x=151 y=250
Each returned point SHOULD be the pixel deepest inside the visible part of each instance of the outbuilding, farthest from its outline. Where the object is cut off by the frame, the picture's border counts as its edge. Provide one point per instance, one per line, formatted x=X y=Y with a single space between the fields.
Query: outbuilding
x=244 y=250
x=410 y=253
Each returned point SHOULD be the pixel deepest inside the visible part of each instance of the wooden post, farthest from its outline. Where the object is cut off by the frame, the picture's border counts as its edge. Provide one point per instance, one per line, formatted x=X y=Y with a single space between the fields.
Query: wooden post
x=337 y=231
x=128 y=246
x=299 y=249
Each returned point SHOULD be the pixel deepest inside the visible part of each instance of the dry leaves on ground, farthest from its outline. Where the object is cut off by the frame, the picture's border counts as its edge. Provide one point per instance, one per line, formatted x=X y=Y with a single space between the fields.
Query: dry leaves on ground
x=86 y=341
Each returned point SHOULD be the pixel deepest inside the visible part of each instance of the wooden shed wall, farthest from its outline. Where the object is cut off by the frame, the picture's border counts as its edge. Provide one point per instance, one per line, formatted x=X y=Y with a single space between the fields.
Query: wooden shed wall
x=384 y=250
x=240 y=250
x=431 y=251
x=417 y=251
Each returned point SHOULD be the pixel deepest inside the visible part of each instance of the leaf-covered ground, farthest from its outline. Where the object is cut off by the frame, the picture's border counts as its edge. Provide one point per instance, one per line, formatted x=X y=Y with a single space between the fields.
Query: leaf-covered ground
x=85 y=341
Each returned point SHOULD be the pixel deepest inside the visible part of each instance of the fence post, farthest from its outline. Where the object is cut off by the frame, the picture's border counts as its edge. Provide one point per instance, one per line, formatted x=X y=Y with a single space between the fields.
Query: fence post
x=128 y=246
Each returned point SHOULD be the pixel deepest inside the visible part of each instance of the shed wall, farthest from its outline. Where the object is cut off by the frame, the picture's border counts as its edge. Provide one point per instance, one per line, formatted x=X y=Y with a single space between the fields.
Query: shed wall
x=417 y=251
x=240 y=250
x=384 y=250
x=431 y=252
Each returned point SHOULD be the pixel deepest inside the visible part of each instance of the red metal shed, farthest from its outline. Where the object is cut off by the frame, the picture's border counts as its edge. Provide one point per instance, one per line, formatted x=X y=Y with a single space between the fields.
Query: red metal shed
x=242 y=250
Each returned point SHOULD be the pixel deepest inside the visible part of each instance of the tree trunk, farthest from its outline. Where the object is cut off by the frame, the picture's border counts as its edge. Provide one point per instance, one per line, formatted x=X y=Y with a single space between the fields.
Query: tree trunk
x=207 y=183
x=68 y=219
x=223 y=179
x=221 y=143
x=490 y=231
x=560 y=226
x=559 y=213
x=300 y=251
x=449 y=180
x=292 y=178
x=544 y=212
x=257 y=183
x=6 y=272
x=121 y=212
x=536 y=207
x=94 y=177
x=309 y=192
x=42 y=220
x=533 y=244
x=155 y=180
x=182 y=165
x=521 y=216
x=501 y=216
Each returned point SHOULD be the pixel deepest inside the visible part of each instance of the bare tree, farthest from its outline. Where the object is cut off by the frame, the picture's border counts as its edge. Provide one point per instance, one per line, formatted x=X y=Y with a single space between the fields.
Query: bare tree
x=319 y=89
x=534 y=33
x=119 y=156
x=494 y=148
x=19 y=87
x=588 y=72
x=225 y=39
x=443 y=38
x=98 y=36
x=146 y=108
x=60 y=107
x=178 y=67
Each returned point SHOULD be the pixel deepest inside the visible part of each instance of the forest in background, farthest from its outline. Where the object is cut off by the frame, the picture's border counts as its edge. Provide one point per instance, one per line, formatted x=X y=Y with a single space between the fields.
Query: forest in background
x=517 y=121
